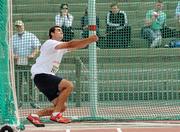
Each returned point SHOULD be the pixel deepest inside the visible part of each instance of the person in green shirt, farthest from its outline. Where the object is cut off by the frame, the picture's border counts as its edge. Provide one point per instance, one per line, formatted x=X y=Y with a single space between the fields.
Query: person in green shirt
x=178 y=18
x=155 y=20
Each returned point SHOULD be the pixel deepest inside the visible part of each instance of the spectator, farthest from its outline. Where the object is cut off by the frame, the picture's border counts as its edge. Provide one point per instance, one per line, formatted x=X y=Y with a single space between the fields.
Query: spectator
x=118 y=31
x=64 y=19
x=85 y=23
x=25 y=44
x=25 y=47
x=178 y=18
x=178 y=11
x=154 y=22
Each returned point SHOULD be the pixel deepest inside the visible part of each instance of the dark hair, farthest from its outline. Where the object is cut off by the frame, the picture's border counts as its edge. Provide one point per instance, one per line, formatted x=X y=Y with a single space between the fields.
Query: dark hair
x=52 y=29
x=62 y=5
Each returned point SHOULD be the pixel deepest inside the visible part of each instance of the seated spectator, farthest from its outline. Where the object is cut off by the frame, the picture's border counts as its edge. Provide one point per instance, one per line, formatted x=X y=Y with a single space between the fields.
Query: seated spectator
x=178 y=19
x=64 y=19
x=178 y=12
x=85 y=23
x=118 y=32
x=25 y=48
x=154 y=22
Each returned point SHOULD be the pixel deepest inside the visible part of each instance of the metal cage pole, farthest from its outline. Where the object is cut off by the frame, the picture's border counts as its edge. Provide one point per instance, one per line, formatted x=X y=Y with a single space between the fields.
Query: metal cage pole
x=11 y=58
x=92 y=59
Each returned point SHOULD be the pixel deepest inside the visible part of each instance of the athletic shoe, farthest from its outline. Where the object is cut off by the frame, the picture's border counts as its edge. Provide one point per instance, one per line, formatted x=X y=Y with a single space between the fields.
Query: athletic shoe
x=35 y=121
x=60 y=119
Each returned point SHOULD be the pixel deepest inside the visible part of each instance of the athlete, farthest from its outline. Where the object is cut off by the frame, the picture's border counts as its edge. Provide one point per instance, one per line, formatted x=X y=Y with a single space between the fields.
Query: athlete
x=55 y=88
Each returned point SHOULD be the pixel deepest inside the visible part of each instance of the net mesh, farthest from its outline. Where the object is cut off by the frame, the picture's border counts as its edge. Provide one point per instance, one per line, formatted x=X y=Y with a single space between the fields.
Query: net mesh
x=7 y=109
x=135 y=80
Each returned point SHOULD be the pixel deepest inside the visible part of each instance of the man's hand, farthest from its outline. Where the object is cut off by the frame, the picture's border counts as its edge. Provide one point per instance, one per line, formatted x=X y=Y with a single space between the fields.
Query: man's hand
x=94 y=38
x=30 y=56
x=16 y=57
x=155 y=15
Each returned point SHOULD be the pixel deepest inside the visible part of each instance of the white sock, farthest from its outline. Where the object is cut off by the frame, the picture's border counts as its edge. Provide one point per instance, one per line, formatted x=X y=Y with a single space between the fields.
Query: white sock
x=34 y=115
x=55 y=113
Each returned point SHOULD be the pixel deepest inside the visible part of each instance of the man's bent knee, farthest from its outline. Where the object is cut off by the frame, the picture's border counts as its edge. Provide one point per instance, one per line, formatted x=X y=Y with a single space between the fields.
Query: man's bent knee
x=65 y=84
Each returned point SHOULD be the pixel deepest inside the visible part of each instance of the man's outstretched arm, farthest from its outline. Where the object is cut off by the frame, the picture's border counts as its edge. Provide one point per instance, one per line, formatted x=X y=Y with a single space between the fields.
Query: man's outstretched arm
x=77 y=43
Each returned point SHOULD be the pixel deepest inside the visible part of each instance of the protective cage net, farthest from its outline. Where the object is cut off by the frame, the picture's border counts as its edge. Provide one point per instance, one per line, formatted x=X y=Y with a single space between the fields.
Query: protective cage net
x=137 y=72
x=7 y=106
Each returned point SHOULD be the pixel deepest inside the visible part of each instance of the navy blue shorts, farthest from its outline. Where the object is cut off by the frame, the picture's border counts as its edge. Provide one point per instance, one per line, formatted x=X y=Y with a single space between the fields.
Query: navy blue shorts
x=48 y=85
